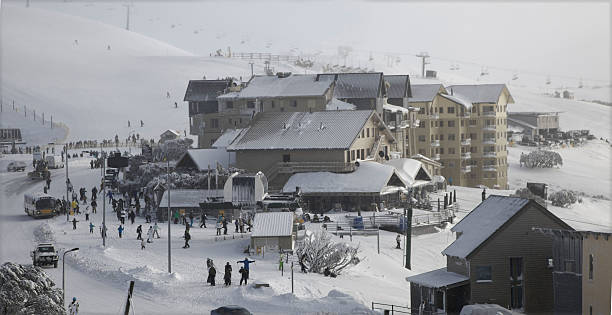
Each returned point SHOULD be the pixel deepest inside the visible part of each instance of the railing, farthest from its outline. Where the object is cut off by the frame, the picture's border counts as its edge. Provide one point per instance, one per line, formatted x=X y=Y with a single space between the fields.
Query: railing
x=435 y=143
x=376 y=146
x=386 y=308
x=466 y=142
x=488 y=141
x=466 y=169
x=488 y=113
x=436 y=157
x=466 y=155
x=489 y=168
x=301 y=167
x=434 y=116
x=489 y=127
x=373 y=222
x=490 y=154
x=264 y=56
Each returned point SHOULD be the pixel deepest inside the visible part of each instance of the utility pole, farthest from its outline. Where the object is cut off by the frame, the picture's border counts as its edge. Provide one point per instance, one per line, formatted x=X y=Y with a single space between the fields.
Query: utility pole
x=408 y=231
x=168 y=189
x=68 y=204
x=102 y=153
x=424 y=56
x=128 y=303
x=252 y=73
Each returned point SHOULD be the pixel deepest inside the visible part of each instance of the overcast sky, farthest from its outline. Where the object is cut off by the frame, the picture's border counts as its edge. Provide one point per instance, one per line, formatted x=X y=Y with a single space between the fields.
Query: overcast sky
x=558 y=38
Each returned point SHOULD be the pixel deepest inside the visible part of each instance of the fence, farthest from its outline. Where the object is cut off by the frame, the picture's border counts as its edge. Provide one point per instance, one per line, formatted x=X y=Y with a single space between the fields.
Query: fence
x=29 y=113
x=390 y=308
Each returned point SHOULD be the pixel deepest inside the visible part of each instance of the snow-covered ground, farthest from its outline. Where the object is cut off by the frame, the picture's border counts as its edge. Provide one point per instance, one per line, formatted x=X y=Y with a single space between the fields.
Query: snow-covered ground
x=33 y=132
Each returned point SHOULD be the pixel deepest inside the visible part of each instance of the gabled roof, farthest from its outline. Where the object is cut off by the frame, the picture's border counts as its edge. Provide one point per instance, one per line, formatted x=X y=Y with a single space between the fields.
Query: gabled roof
x=205 y=90
x=480 y=93
x=399 y=86
x=459 y=100
x=302 y=130
x=336 y=104
x=369 y=177
x=355 y=85
x=439 y=278
x=411 y=171
x=485 y=220
x=269 y=86
x=171 y=131
x=424 y=92
x=200 y=159
x=270 y=224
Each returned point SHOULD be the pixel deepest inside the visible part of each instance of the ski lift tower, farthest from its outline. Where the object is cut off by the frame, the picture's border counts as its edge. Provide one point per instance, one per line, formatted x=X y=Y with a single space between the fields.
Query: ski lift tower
x=424 y=56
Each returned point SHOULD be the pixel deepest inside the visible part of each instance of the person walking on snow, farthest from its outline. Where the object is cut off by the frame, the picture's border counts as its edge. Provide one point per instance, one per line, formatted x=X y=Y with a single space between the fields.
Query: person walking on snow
x=94 y=205
x=244 y=275
x=280 y=263
x=227 y=277
x=91 y=226
x=187 y=238
x=150 y=234
x=218 y=228
x=110 y=196
x=139 y=232
x=190 y=219
x=73 y=308
x=142 y=244
x=74 y=222
x=120 y=229
x=203 y=220
x=236 y=223
x=122 y=216
x=87 y=212
x=155 y=230
x=212 y=273
x=398 y=240
x=246 y=263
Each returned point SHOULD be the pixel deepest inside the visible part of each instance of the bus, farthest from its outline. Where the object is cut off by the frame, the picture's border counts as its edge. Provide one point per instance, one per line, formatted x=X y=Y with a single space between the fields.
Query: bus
x=39 y=205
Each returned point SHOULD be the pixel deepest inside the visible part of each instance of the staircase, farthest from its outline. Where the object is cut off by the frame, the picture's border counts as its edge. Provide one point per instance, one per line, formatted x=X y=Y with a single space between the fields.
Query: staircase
x=376 y=147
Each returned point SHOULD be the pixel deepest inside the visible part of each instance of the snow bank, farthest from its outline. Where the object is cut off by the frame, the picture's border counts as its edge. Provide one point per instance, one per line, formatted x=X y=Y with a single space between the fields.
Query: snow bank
x=44 y=233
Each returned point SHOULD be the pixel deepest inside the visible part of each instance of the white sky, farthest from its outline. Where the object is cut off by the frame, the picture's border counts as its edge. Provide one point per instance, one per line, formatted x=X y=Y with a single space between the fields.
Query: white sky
x=570 y=39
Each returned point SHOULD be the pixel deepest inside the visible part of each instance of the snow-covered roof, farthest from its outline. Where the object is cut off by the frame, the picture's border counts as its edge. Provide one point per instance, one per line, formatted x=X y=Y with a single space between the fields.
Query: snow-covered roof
x=369 y=177
x=424 y=92
x=521 y=123
x=479 y=93
x=459 y=100
x=205 y=90
x=336 y=104
x=202 y=158
x=399 y=86
x=354 y=85
x=226 y=138
x=395 y=108
x=267 y=86
x=267 y=224
x=302 y=130
x=482 y=222
x=171 y=132
x=438 y=278
x=188 y=198
x=477 y=309
x=419 y=156
x=410 y=170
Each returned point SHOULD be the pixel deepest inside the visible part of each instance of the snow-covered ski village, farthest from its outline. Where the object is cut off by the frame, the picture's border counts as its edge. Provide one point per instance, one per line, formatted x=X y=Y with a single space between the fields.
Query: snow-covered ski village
x=295 y=157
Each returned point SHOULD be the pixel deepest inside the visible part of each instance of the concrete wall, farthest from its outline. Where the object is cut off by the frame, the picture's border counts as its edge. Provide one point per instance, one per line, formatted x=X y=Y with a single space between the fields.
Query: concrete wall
x=261 y=160
x=272 y=243
x=596 y=292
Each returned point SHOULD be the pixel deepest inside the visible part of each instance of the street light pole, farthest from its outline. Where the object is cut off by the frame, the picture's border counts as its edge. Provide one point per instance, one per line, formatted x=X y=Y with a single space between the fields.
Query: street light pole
x=64 y=274
x=68 y=204
x=103 y=197
x=168 y=189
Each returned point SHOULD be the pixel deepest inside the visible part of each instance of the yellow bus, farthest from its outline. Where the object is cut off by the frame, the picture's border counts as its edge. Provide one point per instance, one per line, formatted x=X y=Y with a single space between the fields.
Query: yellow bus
x=39 y=205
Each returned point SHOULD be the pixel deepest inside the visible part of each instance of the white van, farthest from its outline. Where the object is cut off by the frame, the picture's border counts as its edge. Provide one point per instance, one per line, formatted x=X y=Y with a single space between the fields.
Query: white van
x=54 y=161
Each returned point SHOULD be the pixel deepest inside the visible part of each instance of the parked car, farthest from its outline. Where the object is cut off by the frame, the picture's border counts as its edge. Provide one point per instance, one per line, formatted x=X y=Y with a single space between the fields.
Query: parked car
x=44 y=254
x=16 y=166
x=230 y=310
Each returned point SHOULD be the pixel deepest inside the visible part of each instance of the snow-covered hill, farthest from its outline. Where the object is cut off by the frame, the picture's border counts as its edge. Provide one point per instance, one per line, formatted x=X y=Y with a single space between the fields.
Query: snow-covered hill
x=95 y=77
x=33 y=132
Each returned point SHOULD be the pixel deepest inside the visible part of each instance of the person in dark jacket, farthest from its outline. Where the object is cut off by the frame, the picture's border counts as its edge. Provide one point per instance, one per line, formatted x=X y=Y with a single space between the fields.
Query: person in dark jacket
x=139 y=231
x=203 y=220
x=187 y=238
x=244 y=275
x=74 y=222
x=246 y=263
x=227 y=277
x=224 y=222
x=212 y=272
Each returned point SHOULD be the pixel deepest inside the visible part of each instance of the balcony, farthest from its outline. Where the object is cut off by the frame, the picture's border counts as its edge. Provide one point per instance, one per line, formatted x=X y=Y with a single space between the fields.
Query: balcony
x=466 y=142
x=435 y=143
x=466 y=169
x=489 y=113
x=489 y=168
x=465 y=114
x=466 y=155
x=489 y=154
x=436 y=157
x=434 y=116
x=488 y=141
x=489 y=127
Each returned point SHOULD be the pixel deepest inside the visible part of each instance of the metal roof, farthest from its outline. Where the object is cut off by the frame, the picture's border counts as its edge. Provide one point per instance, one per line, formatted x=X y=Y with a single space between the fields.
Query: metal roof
x=438 y=278
x=355 y=85
x=188 y=198
x=301 y=130
x=482 y=222
x=270 y=224
x=479 y=93
x=268 y=86
x=226 y=138
x=399 y=86
x=424 y=92
x=202 y=158
x=205 y=90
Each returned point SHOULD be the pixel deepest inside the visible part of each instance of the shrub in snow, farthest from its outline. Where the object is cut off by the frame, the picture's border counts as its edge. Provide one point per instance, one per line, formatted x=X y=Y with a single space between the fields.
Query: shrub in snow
x=44 y=233
x=541 y=158
x=320 y=252
x=527 y=194
x=26 y=289
x=564 y=198
x=172 y=149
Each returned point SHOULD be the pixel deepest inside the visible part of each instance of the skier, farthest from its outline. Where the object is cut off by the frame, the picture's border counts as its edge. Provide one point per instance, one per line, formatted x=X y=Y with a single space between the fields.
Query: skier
x=141 y=124
x=74 y=307
x=120 y=229
x=187 y=238
x=244 y=275
x=74 y=222
x=203 y=220
x=190 y=219
x=94 y=193
x=91 y=226
x=94 y=205
x=132 y=216
x=87 y=212
x=398 y=239
x=236 y=223
x=176 y=217
x=246 y=263
x=227 y=277
x=139 y=232
x=150 y=234
x=155 y=230
x=212 y=272
x=142 y=244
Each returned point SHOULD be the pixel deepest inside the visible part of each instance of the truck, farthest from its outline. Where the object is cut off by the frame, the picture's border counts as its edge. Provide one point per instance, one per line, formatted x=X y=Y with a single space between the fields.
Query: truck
x=54 y=161
x=44 y=254
x=16 y=166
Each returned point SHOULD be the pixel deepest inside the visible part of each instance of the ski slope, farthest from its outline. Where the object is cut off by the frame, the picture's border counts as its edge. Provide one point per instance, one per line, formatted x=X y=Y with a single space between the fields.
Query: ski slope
x=33 y=132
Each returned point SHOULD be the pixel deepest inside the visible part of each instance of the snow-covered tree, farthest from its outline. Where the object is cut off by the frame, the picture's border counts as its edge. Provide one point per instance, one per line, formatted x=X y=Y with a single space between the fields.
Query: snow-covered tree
x=541 y=158
x=320 y=252
x=564 y=198
x=172 y=149
x=25 y=289
x=527 y=194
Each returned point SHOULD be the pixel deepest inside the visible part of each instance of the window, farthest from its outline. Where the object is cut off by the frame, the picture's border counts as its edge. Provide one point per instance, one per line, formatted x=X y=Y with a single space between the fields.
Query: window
x=422 y=138
x=473 y=136
x=368 y=132
x=451 y=150
x=441 y=122
x=483 y=274
x=359 y=154
x=422 y=110
x=348 y=156
x=451 y=137
x=294 y=103
x=462 y=123
x=441 y=110
x=451 y=110
x=451 y=123
x=474 y=149
x=441 y=137
x=229 y=121
x=362 y=133
x=590 y=266
x=473 y=122
x=352 y=155
x=229 y=104
x=451 y=164
x=436 y=123
x=214 y=123
x=272 y=104
x=441 y=150
x=251 y=104
x=286 y=158
x=422 y=151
